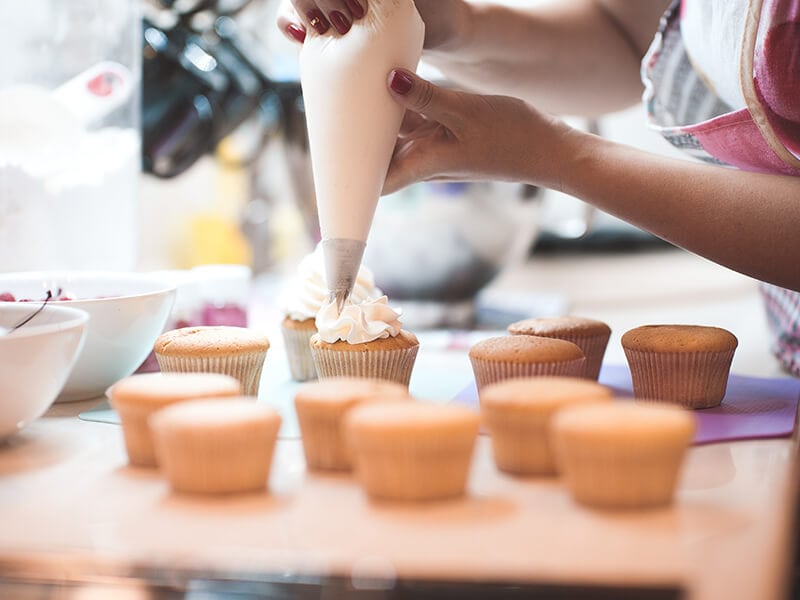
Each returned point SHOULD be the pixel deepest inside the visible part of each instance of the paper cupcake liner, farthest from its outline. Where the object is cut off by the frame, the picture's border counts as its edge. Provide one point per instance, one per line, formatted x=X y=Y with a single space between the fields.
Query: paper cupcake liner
x=138 y=437
x=637 y=476
x=491 y=371
x=323 y=443
x=688 y=379
x=393 y=365
x=298 y=353
x=405 y=472
x=594 y=348
x=244 y=367
x=218 y=462
x=520 y=443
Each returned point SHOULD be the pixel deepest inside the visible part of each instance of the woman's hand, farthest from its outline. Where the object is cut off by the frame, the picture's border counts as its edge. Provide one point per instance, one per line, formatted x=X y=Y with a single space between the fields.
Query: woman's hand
x=296 y=15
x=455 y=136
x=445 y=20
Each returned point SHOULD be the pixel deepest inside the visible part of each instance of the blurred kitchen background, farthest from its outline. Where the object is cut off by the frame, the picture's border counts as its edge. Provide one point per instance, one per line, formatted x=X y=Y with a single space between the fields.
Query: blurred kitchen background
x=224 y=175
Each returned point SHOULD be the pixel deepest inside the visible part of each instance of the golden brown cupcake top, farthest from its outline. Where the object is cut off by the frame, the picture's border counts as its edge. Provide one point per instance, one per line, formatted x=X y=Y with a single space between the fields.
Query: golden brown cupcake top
x=343 y=392
x=620 y=422
x=304 y=325
x=384 y=421
x=525 y=349
x=401 y=341
x=679 y=338
x=555 y=326
x=216 y=340
x=158 y=389
x=542 y=393
x=211 y=414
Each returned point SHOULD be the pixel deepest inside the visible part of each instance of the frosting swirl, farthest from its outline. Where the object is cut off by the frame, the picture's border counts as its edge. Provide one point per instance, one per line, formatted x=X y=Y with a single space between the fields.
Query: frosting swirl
x=358 y=323
x=307 y=291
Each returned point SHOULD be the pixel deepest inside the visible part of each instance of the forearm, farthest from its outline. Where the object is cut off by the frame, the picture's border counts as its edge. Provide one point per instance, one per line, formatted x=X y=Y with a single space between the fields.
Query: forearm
x=745 y=221
x=564 y=57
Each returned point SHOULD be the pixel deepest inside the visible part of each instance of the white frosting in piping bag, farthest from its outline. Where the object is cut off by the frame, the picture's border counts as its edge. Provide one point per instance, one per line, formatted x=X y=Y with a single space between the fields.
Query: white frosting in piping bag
x=308 y=291
x=358 y=323
x=352 y=120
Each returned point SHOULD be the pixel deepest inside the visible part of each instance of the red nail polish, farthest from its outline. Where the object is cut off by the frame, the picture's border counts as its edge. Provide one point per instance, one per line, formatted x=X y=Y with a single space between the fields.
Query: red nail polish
x=401 y=82
x=296 y=32
x=340 y=22
x=318 y=21
x=355 y=8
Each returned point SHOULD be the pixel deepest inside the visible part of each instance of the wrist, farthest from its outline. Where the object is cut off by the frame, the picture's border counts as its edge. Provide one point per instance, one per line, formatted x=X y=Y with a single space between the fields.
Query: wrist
x=577 y=154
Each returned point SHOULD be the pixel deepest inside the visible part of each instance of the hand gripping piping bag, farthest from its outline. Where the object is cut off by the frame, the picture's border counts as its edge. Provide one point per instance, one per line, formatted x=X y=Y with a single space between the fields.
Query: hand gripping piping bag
x=353 y=124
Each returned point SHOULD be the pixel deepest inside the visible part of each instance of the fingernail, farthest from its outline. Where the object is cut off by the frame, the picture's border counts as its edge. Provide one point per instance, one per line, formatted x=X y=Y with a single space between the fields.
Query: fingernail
x=318 y=21
x=401 y=82
x=296 y=32
x=340 y=22
x=355 y=8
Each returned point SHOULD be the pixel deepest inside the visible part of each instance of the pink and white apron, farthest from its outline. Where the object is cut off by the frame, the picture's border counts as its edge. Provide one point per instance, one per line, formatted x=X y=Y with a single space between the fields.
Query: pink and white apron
x=722 y=82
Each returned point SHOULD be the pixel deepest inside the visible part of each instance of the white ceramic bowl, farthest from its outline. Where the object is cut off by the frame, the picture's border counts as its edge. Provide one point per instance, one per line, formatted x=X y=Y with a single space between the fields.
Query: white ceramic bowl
x=36 y=359
x=127 y=312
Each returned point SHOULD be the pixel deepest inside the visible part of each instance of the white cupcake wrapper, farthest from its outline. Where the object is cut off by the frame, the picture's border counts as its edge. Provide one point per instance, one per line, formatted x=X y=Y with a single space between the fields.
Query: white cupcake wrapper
x=298 y=353
x=689 y=379
x=244 y=367
x=594 y=348
x=491 y=371
x=392 y=365
x=638 y=476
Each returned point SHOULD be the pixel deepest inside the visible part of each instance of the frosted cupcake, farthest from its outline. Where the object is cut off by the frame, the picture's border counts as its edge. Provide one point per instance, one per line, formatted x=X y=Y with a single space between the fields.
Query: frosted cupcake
x=589 y=335
x=364 y=340
x=303 y=297
x=511 y=356
x=686 y=365
x=235 y=351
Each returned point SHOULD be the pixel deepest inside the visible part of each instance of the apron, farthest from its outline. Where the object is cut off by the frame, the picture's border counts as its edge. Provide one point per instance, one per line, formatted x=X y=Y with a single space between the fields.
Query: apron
x=722 y=83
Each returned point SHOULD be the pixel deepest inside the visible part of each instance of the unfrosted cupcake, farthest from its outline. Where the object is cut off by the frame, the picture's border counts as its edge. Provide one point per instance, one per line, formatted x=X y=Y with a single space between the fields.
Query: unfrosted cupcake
x=321 y=407
x=412 y=450
x=517 y=414
x=235 y=351
x=305 y=294
x=213 y=447
x=686 y=365
x=137 y=397
x=508 y=357
x=622 y=455
x=589 y=335
x=364 y=340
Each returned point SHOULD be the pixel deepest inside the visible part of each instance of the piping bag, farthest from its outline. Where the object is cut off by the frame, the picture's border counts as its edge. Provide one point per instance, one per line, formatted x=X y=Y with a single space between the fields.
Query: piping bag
x=353 y=124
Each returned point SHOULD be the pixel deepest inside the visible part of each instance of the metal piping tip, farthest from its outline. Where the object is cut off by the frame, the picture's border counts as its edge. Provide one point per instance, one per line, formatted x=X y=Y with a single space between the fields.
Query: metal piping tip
x=341 y=298
x=342 y=262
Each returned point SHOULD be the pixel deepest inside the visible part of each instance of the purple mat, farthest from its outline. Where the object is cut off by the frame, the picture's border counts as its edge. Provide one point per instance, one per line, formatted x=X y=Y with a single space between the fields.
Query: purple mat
x=753 y=407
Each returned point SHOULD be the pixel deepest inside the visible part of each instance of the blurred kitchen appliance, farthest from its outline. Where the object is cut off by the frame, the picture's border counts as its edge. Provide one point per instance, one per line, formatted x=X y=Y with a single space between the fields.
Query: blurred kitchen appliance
x=70 y=147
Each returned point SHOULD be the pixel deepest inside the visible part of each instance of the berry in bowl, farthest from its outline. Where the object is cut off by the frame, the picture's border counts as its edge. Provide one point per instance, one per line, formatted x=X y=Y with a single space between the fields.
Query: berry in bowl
x=127 y=312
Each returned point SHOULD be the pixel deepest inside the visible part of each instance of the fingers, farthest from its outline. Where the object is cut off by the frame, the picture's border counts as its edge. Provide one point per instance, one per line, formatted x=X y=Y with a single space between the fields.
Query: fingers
x=420 y=96
x=323 y=16
x=289 y=22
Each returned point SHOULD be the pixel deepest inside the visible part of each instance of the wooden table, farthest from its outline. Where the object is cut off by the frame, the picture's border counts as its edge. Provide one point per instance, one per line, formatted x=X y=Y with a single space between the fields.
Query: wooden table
x=72 y=511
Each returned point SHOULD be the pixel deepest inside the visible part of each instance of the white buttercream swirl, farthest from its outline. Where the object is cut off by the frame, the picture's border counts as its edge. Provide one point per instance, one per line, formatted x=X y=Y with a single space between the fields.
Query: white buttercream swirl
x=307 y=292
x=358 y=323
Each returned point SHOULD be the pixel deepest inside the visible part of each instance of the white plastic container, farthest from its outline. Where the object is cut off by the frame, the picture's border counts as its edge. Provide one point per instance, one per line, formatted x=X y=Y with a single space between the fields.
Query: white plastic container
x=70 y=143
